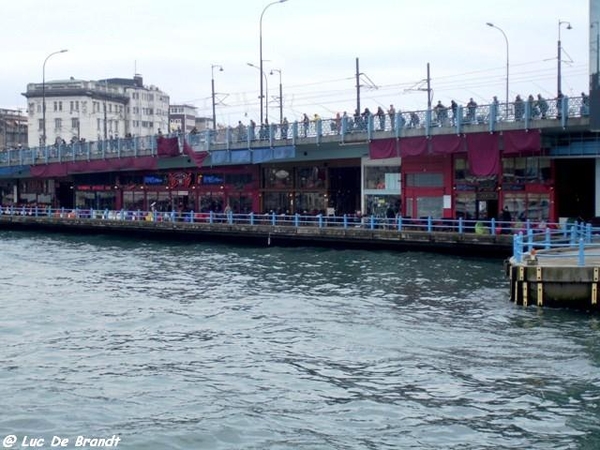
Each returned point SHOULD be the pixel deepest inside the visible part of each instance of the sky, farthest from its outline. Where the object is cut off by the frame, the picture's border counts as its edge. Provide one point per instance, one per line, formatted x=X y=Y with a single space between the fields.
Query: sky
x=314 y=44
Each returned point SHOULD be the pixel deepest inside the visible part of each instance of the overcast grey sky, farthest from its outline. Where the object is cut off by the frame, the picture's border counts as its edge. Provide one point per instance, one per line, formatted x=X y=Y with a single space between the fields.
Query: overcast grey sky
x=313 y=42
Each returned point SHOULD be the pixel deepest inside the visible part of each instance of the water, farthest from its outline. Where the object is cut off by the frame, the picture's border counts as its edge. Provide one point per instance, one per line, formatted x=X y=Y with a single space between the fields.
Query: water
x=199 y=346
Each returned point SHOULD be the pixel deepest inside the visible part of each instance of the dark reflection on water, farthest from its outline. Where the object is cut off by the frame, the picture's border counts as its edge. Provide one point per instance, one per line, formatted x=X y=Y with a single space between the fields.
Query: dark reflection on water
x=215 y=347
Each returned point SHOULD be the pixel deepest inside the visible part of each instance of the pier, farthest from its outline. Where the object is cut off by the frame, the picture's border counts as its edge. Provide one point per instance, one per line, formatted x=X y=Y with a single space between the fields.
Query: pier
x=560 y=273
x=370 y=233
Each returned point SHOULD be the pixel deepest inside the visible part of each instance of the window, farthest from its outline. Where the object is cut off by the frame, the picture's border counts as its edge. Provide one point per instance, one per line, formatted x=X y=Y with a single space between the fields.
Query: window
x=311 y=177
x=526 y=170
x=40 y=125
x=57 y=124
x=277 y=178
x=75 y=123
x=425 y=179
x=430 y=207
x=382 y=177
x=461 y=169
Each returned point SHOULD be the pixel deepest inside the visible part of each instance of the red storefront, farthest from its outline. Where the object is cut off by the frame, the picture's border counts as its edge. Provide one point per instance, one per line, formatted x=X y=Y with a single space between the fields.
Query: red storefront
x=473 y=175
x=200 y=190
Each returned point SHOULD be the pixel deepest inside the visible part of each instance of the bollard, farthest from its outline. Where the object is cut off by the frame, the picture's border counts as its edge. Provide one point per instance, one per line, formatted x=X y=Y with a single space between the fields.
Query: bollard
x=211 y=217
x=372 y=222
x=460 y=225
x=296 y=220
x=320 y=216
x=547 y=239
x=273 y=218
x=429 y=224
x=252 y=218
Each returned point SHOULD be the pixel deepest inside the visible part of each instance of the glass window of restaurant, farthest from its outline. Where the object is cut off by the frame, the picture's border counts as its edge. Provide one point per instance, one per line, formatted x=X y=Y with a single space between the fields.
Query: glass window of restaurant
x=524 y=170
x=425 y=191
x=158 y=200
x=278 y=202
x=528 y=206
x=311 y=177
x=98 y=200
x=240 y=203
x=277 y=177
x=465 y=204
x=133 y=200
x=381 y=189
x=430 y=207
x=211 y=201
x=310 y=203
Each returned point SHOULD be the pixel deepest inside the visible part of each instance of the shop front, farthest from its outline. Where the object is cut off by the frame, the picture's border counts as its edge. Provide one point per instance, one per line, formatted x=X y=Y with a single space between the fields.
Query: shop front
x=192 y=190
x=329 y=188
x=381 y=186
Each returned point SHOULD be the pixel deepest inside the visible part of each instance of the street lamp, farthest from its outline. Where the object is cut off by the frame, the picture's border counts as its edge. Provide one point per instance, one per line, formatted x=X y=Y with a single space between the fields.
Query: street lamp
x=489 y=24
x=212 y=84
x=44 y=93
x=263 y=76
x=559 y=56
x=280 y=95
x=261 y=57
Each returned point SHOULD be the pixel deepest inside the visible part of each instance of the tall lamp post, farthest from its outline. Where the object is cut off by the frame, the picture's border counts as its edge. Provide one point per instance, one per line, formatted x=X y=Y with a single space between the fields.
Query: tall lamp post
x=489 y=24
x=261 y=56
x=280 y=94
x=44 y=93
x=263 y=77
x=559 y=57
x=212 y=84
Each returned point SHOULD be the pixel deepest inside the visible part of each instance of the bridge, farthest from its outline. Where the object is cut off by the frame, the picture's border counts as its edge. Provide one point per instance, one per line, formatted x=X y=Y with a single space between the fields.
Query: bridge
x=557 y=116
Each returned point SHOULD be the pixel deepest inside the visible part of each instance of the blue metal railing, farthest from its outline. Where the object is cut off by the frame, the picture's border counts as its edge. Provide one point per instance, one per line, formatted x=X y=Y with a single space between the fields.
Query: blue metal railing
x=579 y=240
x=536 y=236
x=526 y=114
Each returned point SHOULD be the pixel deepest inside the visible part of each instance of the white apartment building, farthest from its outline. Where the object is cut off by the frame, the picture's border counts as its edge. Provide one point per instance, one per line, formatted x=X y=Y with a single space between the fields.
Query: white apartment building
x=182 y=118
x=94 y=110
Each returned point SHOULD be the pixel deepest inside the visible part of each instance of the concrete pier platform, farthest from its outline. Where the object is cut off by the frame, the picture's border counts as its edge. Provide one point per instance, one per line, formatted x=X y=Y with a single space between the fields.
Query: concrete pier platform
x=560 y=277
x=352 y=237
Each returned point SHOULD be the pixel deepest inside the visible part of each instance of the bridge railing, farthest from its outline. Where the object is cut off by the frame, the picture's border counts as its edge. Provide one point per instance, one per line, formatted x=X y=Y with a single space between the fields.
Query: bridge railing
x=460 y=120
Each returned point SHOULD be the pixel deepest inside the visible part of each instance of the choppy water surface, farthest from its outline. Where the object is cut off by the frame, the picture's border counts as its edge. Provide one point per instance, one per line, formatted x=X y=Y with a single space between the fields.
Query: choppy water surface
x=200 y=346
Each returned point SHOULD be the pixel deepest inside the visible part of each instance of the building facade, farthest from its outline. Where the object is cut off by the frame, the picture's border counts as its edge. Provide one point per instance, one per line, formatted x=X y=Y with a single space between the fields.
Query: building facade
x=81 y=110
x=182 y=118
x=13 y=129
